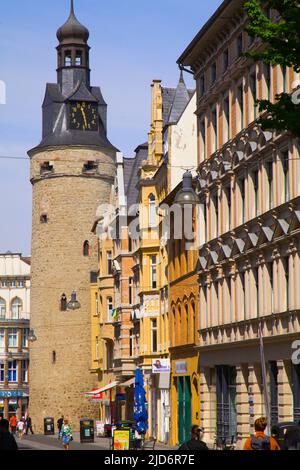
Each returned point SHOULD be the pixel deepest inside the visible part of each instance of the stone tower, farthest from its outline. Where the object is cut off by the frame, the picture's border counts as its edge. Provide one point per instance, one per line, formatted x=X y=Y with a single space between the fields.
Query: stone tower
x=71 y=173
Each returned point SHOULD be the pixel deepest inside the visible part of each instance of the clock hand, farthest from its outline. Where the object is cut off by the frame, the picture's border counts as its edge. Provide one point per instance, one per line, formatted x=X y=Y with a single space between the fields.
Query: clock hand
x=84 y=116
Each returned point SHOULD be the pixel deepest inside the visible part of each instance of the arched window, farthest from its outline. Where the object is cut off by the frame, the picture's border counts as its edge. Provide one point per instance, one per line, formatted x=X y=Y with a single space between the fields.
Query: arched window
x=68 y=59
x=16 y=307
x=152 y=211
x=63 y=303
x=78 y=60
x=86 y=248
x=53 y=357
x=2 y=308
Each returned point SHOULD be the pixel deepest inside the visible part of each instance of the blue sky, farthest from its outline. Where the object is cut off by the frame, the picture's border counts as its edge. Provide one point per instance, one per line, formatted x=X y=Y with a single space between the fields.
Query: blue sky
x=133 y=42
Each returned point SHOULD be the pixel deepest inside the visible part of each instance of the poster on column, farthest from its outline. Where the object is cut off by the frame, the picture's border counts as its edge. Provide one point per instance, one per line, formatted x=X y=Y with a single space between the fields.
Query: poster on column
x=161 y=366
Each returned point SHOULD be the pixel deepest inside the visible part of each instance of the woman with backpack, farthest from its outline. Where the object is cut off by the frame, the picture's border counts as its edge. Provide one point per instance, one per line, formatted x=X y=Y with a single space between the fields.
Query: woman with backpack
x=259 y=440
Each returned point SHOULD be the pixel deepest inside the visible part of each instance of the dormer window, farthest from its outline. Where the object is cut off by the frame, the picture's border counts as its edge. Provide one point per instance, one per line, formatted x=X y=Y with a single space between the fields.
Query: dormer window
x=68 y=59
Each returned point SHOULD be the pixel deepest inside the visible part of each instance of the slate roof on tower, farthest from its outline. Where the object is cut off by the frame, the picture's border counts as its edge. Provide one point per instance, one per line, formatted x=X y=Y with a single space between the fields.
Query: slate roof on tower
x=175 y=101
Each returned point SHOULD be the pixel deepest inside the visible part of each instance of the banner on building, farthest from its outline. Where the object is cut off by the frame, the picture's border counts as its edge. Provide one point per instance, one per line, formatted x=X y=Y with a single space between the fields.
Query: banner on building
x=181 y=367
x=161 y=366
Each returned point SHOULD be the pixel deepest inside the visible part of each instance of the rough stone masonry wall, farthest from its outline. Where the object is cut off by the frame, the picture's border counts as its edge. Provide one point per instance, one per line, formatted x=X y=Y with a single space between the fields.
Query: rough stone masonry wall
x=58 y=266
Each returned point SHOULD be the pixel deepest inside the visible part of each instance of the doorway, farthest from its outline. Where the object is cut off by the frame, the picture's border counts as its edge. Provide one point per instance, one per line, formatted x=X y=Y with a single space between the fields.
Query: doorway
x=184 y=408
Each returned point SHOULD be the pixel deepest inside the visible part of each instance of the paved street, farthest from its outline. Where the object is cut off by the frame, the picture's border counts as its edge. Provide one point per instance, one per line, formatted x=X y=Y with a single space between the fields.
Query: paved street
x=41 y=442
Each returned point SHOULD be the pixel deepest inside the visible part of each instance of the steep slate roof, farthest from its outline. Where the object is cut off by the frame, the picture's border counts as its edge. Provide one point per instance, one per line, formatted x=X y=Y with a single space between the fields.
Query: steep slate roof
x=131 y=168
x=175 y=101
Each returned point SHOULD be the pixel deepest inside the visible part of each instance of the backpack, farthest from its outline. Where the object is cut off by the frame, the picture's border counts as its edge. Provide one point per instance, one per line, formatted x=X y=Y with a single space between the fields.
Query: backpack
x=259 y=443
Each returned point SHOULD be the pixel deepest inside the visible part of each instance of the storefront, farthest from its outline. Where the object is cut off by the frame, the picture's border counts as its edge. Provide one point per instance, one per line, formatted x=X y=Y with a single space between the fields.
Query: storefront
x=185 y=403
x=13 y=403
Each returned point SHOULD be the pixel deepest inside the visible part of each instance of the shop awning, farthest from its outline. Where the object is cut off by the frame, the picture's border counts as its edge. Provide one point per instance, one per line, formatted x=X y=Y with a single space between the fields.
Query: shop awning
x=103 y=389
x=128 y=383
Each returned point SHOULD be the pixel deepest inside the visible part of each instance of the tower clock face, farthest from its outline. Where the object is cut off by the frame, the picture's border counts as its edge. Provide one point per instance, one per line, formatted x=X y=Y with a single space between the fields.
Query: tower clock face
x=83 y=116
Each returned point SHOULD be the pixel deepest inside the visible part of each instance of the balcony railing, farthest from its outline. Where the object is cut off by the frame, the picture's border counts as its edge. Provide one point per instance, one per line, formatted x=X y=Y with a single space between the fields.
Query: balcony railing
x=21 y=317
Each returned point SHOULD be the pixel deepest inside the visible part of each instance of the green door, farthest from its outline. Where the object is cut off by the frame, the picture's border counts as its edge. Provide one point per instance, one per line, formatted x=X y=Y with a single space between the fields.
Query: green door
x=180 y=391
x=187 y=408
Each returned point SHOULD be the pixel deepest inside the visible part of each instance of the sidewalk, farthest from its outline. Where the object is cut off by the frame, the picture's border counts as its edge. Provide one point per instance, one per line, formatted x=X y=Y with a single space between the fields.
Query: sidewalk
x=41 y=442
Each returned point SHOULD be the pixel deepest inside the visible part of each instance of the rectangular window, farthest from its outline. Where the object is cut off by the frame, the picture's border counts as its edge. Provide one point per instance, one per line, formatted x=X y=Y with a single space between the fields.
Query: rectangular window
x=2 y=371
x=285 y=167
x=109 y=263
x=225 y=60
x=216 y=208
x=25 y=364
x=12 y=284
x=3 y=284
x=242 y=194
x=239 y=45
x=97 y=349
x=243 y=283
x=20 y=284
x=12 y=371
x=267 y=76
x=270 y=272
x=269 y=170
x=256 y=193
x=228 y=198
x=110 y=309
x=154 y=335
x=256 y=281
x=202 y=86
x=12 y=337
x=253 y=91
x=202 y=140
x=2 y=338
x=152 y=211
x=214 y=143
x=2 y=308
x=286 y=267
x=130 y=290
x=153 y=272
x=213 y=73
x=131 y=338
x=24 y=337
x=226 y=110
x=240 y=102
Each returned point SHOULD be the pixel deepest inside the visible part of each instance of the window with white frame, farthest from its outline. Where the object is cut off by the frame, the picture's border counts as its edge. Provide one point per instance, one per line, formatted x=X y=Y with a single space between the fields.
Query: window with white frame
x=153 y=271
x=12 y=337
x=12 y=371
x=2 y=308
x=16 y=308
x=109 y=262
x=2 y=338
x=152 y=211
x=20 y=284
x=110 y=309
x=154 y=335
x=25 y=365
x=2 y=371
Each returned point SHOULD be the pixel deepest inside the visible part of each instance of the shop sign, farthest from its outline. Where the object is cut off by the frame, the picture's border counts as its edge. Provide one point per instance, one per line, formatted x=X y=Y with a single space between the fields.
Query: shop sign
x=11 y=393
x=121 y=439
x=160 y=366
x=181 y=367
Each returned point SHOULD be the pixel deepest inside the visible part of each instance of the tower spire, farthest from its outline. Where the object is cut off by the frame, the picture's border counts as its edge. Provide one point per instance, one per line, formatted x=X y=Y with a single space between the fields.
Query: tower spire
x=72 y=7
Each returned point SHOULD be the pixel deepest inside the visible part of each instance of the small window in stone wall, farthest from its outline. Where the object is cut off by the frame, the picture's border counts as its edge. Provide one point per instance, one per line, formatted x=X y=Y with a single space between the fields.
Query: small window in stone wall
x=44 y=218
x=53 y=357
x=45 y=168
x=63 y=303
x=90 y=166
x=86 y=248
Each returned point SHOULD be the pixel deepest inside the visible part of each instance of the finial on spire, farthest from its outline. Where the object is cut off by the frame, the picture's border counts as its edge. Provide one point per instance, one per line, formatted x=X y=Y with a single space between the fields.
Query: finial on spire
x=72 y=7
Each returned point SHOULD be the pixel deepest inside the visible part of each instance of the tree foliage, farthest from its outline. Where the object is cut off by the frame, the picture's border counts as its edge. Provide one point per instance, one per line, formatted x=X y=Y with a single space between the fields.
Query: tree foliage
x=280 y=39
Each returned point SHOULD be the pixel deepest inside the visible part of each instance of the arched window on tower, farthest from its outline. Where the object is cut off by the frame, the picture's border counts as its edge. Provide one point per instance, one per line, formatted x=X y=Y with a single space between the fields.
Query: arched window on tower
x=152 y=211
x=2 y=308
x=16 y=308
x=53 y=357
x=68 y=59
x=78 y=60
x=63 y=303
x=86 y=248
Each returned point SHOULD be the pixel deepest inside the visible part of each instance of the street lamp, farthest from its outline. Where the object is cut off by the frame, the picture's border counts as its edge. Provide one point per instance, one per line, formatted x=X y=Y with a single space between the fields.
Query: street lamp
x=187 y=195
x=73 y=304
x=32 y=337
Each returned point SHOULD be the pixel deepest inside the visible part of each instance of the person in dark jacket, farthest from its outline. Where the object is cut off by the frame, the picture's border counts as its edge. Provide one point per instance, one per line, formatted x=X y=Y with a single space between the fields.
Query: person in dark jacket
x=7 y=440
x=60 y=423
x=195 y=443
x=292 y=439
x=28 y=423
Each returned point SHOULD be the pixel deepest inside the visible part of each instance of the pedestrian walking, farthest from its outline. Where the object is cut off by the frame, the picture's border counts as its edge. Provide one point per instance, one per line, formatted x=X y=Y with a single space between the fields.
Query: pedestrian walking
x=21 y=428
x=259 y=440
x=13 y=424
x=66 y=434
x=60 y=423
x=7 y=440
x=196 y=442
x=28 y=423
